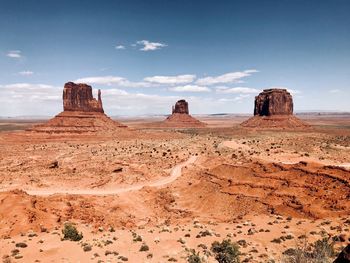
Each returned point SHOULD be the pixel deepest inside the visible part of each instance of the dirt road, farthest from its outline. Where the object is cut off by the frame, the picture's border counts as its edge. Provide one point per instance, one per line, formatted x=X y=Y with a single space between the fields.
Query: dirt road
x=174 y=174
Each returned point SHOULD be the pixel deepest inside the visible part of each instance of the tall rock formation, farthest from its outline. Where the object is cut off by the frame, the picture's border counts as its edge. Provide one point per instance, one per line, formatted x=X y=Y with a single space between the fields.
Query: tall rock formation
x=82 y=113
x=181 y=106
x=273 y=109
x=181 y=118
x=273 y=102
x=78 y=97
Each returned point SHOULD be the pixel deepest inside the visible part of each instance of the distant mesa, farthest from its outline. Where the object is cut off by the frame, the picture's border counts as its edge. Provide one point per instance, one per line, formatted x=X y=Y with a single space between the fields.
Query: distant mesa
x=181 y=118
x=273 y=108
x=82 y=113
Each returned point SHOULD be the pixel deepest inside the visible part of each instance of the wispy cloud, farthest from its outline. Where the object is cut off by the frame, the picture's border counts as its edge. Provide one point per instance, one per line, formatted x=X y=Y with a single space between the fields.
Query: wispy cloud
x=180 y=79
x=334 y=90
x=150 y=46
x=238 y=98
x=119 y=47
x=113 y=80
x=236 y=90
x=14 y=54
x=30 y=99
x=291 y=91
x=190 y=88
x=231 y=77
x=27 y=86
x=26 y=73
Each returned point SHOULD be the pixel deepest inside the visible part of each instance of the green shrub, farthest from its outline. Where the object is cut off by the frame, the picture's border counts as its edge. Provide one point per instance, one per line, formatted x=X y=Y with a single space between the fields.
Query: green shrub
x=71 y=233
x=194 y=257
x=322 y=251
x=226 y=251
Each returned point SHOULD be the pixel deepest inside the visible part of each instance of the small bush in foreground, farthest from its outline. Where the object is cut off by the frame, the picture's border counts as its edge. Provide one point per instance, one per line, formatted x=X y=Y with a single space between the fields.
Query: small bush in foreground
x=194 y=257
x=321 y=251
x=226 y=251
x=144 y=247
x=71 y=233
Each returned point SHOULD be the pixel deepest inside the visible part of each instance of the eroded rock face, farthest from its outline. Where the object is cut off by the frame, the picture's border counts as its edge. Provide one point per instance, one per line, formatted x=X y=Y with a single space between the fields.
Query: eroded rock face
x=78 y=97
x=181 y=106
x=344 y=256
x=273 y=102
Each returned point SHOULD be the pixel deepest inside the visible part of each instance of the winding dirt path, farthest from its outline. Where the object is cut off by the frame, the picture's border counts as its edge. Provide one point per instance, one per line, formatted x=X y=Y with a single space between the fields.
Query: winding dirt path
x=174 y=174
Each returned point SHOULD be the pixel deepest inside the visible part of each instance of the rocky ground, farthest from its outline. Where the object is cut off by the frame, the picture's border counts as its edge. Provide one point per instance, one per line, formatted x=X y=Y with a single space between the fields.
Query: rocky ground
x=155 y=197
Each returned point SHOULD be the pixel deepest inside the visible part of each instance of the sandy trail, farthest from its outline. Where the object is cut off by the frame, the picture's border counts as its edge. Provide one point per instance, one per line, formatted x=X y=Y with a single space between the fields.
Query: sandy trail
x=174 y=174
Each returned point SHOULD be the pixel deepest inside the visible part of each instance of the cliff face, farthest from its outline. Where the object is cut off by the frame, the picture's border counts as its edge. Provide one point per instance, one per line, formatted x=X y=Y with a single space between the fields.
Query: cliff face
x=273 y=102
x=181 y=106
x=78 y=97
x=273 y=109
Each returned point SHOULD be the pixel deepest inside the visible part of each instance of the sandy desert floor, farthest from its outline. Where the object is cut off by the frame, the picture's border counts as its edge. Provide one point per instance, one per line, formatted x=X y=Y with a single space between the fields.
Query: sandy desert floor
x=172 y=190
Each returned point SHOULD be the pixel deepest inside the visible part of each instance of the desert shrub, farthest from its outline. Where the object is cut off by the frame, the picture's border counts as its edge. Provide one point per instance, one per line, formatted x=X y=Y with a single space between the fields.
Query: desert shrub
x=136 y=237
x=193 y=257
x=144 y=247
x=122 y=258
x=21 y=245
x=321 y=251
x=70 y=232
x=87 y=247
x=226 y=251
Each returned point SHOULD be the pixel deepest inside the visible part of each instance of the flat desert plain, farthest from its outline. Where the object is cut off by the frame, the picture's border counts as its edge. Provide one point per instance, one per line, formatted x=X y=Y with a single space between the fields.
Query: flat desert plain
x=160 y=196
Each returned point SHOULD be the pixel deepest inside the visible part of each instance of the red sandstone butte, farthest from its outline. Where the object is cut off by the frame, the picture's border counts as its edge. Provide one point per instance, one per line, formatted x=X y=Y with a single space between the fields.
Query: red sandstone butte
x=273 y=102
x=82 y=113
x=181 y=118
x=181 y=106
x=78 y=97
x=273 y=109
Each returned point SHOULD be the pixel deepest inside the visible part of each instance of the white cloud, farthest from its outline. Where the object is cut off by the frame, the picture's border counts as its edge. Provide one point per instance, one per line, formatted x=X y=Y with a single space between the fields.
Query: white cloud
x=238 y=98
x=231 y=77
x=106 y=80
x=20 y=99
x=113 y=80
x=26 y=73
x=30 y=99
x=27 y=86
x=14 y=54
x=150 y=46
x=236 y=90
x=140 y=104
x=334 y=91
x=190 y=88
x=119 y=47
x=291 y=91
x=180 y=79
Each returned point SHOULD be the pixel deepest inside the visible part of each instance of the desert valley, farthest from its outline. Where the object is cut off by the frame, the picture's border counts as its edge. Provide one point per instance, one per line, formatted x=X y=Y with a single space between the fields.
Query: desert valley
x=189 y=131
x=165 y=190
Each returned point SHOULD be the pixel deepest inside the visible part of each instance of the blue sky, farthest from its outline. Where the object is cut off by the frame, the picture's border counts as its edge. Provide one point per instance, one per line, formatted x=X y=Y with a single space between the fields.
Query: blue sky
x=145 y=55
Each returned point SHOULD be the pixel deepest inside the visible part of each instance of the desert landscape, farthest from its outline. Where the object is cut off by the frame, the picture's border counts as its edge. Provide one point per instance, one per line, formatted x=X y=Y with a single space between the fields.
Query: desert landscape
x=189 y=131
x=154 y=192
